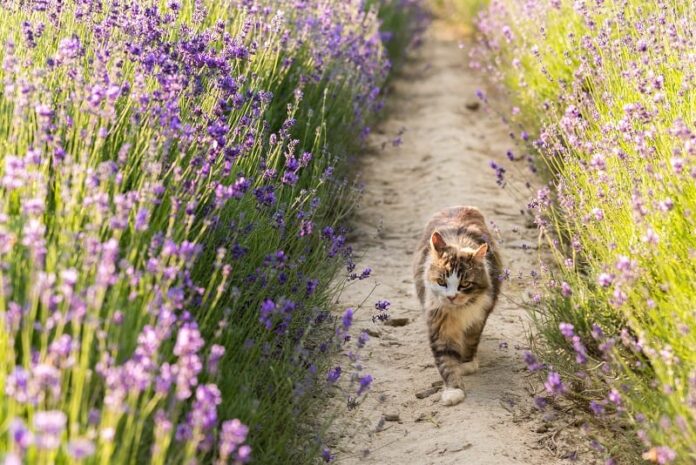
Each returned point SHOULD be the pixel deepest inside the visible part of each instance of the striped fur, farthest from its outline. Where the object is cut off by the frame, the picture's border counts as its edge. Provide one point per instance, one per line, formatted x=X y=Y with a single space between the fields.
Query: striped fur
x=456 y=272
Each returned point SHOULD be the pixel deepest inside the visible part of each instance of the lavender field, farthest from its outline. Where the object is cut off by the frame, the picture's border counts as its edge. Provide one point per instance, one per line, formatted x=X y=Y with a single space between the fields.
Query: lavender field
x=602 y=104
x=207 y=211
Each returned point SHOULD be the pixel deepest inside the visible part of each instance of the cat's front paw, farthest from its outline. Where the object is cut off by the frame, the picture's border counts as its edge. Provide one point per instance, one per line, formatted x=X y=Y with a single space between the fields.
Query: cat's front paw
x=452 y=396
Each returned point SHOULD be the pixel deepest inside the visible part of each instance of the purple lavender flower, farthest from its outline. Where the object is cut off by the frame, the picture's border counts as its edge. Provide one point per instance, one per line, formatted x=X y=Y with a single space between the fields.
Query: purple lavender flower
x=68 y=49
x=540 y=402
x=311 y=286
x=306 y=228
x=531 y=361
x=624 y=264
x=665 y=455
x=606 y=346
x=362 y=339
x=580 y=350
x=365 y=382
x=188 y=340
x=365 y=273
x=233 y=435
x=290 y=178
x=265 y=195
x=651 y=237
x=499 y=173
x=614 y=397
x=184 y=432
x=17 y=386
x=597 y=332
x=347 y=319
x=596 y=408
x=334 y=375
x=567 y=329
x=141 y=219
x=327 y=456
x=267 y=309
x=47 y=378
x=216 y=353
x=204 y=411
x=566 y=291
x=619 y=297
x=20 y=434
x=244 y=454
x=80 y=448
x=48 y=427
x=605 y=279
x=553 y=384
x=505 y=275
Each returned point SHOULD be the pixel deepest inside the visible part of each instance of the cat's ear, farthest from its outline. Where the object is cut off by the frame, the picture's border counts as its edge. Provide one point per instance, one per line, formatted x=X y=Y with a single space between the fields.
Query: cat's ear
x=438 y=243
x=480 y=253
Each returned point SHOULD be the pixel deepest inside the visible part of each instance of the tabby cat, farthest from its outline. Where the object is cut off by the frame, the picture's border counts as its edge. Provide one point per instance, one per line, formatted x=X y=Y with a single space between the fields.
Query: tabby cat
x=456 y=272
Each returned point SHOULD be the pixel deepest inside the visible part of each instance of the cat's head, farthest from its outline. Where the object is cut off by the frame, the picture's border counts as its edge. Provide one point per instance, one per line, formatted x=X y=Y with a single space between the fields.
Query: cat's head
x=456 y=274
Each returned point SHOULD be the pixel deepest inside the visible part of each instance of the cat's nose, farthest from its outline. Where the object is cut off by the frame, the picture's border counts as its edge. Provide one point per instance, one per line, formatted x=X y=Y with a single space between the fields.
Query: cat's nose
x=451 y=299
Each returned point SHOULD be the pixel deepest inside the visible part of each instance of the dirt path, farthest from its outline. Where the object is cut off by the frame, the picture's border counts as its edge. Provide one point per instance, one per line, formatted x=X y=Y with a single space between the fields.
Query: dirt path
x=444 y=161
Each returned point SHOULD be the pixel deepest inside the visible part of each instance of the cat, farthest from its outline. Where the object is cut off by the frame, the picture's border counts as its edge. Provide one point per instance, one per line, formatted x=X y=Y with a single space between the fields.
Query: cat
x=456 y=272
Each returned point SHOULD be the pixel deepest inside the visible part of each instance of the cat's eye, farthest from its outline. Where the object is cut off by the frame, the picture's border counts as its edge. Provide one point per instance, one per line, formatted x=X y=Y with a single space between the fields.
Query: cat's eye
x=466 y=286
x=442 y=282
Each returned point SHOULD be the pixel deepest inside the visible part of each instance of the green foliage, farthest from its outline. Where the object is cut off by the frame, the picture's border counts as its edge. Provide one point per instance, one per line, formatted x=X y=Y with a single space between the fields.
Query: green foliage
x=121 y=130
x=609 y=94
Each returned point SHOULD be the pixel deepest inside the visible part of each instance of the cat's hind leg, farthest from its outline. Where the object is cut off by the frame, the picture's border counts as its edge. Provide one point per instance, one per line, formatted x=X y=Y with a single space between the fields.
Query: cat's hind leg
x=469 y=368
x=470 y=343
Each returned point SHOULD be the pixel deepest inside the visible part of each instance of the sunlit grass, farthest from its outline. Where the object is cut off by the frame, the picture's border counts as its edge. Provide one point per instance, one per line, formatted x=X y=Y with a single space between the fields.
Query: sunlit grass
x=608 y=90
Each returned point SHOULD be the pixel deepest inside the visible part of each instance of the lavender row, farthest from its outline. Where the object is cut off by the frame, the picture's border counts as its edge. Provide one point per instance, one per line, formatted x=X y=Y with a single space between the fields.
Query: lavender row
x=603 y=95
x=170 y=189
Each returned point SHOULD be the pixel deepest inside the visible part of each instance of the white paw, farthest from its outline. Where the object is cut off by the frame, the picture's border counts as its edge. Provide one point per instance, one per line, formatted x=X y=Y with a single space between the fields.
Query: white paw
x=470 y=368
x=452 y=396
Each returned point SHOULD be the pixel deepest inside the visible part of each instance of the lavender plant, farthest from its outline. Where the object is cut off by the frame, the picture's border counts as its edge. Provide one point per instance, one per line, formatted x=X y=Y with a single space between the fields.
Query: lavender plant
x=607 y=91
x=402 y=25
x=170 y=192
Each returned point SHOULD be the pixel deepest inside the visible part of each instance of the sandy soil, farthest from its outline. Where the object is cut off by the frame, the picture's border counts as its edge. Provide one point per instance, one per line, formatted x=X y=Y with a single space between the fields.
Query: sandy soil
x=443 y=161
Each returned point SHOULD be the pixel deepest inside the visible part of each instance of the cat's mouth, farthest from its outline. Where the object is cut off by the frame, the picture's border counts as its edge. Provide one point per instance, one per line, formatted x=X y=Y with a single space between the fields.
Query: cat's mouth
x=455 y=300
